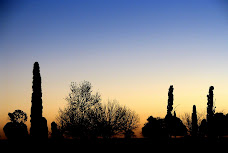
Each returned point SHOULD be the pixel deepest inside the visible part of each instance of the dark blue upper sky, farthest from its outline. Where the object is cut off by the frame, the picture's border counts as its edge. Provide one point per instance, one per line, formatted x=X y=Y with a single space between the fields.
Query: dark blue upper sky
x=108 y=23
x=50 y=30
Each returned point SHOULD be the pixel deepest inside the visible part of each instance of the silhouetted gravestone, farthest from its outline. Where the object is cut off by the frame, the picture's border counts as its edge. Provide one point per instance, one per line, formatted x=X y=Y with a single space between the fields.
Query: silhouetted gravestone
x=38 y=128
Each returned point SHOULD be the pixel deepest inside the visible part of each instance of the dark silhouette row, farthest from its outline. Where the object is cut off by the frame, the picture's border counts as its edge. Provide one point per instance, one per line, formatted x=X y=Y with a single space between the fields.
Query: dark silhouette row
x=87 y=119
x=157 y=128
x=212 y=128
x=16 y=129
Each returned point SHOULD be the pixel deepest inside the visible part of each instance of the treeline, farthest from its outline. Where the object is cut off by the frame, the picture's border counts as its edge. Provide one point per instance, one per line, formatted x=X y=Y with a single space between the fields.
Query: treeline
x=212 y=128
x=86 y=118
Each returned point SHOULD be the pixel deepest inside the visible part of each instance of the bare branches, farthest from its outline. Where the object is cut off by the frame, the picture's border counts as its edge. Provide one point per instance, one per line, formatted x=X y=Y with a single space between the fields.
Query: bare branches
x=85 y=116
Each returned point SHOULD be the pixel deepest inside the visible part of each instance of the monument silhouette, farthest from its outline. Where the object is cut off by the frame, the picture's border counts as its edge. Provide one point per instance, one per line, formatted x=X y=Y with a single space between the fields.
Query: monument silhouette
x=38 y=130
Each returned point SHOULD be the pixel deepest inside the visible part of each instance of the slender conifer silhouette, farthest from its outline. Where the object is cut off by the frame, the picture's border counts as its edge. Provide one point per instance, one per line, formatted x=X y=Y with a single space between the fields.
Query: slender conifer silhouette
x=194 y=122
x=38 y=128
x=170 y=101
x=210 y=113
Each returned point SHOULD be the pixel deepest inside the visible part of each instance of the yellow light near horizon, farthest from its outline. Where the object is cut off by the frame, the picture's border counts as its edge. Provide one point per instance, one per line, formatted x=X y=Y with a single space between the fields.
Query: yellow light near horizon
x=144 y=99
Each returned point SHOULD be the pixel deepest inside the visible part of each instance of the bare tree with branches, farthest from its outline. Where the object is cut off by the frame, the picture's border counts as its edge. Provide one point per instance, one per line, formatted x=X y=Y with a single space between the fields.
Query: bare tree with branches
x=119 y=119
x=187 y=120
x=85 y=116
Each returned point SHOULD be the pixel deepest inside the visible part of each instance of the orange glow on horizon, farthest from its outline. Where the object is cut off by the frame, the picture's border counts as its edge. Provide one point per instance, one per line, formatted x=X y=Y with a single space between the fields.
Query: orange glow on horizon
x=144 y=104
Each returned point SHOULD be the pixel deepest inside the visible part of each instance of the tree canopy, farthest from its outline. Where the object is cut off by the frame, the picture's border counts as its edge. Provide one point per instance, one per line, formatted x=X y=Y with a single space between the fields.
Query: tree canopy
x=85 y=116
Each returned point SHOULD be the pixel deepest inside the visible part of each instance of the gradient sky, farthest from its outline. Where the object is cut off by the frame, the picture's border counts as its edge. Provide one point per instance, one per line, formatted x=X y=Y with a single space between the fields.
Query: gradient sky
x=130 y=50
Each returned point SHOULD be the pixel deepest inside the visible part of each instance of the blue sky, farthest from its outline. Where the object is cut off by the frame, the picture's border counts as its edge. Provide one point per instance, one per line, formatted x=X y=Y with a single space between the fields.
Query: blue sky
x=62 y=29
x=149 y=32
x=112 y=23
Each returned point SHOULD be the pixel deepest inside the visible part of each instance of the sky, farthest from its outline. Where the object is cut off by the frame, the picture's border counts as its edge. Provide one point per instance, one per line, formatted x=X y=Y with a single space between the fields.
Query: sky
x=130 y=51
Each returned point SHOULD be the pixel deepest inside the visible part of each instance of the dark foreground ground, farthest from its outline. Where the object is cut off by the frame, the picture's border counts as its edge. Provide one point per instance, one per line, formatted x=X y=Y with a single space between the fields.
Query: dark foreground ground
x=116 y=141
x=116 y=145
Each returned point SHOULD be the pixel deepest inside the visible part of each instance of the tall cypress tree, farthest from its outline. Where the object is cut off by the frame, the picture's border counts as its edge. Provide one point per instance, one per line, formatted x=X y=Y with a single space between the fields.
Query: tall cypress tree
x=169 y=119
x=38 y=123
x=210 y=104
x=170 y=101
x=194 y=122
x=210 y=113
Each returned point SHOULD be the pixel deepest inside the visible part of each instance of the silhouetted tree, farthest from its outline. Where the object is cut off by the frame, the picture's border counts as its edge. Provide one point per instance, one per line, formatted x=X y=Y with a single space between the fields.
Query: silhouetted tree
x=169 y=118
x=176 y=126
x=56 y=134
x=170 y=101
x=18 y=116
x=187 y=121
x=203 y=128
x=155 y=129
x=210 y=104
x=131 y=122
x=38 y=128
x=221 y=124
x=194 y=122
x=53 y=129
x=210 y=113
x=117 y=119
x=86 y=117
x=75 y=120
x=16 y=129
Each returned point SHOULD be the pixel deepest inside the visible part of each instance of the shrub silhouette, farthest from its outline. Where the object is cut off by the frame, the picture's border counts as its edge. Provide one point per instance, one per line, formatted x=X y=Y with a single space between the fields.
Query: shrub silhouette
x=203 y=128
x=155 y=128
x=56 y=134
x=177 y=127
x=16 y=129
x=221 y=124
